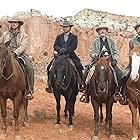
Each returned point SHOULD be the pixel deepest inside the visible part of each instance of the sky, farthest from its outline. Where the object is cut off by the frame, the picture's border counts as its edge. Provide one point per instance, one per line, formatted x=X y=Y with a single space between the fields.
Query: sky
x=62 y=8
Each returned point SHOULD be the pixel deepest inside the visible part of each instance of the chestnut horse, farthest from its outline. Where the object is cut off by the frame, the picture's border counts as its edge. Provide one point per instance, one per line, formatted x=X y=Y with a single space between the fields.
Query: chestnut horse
x=102 y=89
x=12 y=86
x=133 y=89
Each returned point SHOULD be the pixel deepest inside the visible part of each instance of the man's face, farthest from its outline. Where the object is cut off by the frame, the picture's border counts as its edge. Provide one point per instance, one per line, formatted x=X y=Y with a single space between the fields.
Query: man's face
x=14 y=25
x=138 y=30
x=66 y=29
x=102 y=32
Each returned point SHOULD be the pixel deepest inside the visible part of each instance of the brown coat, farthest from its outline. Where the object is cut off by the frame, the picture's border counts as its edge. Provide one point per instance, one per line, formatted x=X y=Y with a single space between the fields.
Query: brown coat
x=22 y=41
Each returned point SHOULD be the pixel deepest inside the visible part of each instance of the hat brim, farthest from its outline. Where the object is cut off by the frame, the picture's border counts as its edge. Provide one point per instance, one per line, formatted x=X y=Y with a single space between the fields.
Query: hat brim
x=19 y=21
x=135 y=27
x=97 y=29
x=65 y=25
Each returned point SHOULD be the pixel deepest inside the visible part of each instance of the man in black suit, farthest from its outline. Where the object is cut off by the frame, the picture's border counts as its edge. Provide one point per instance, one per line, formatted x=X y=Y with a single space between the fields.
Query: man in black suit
x=66 y=43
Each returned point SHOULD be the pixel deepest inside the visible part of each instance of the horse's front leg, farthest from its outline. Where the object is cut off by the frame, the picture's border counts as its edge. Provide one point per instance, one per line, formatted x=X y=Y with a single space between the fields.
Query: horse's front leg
x=17 y=102
x=58 y=107
x=133 y=109
x=109 y=105
x=96 y=118
x=3 y=104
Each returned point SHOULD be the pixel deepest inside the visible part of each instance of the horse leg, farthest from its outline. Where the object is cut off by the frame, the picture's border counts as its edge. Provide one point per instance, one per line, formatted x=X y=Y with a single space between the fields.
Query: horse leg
x=101 y=113
x=133 y=109
x=70 y=109
x=66 y=108
x=3 y=103
x=96 y=118
x=57 y=97
x=25 y=105
x=109 y=105
x=17 y=104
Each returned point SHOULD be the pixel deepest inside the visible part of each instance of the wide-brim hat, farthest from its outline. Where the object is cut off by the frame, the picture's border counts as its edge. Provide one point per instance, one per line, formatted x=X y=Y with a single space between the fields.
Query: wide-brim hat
x=136 y=26
x=16 y=19
x=66 y=23
x=103 y=26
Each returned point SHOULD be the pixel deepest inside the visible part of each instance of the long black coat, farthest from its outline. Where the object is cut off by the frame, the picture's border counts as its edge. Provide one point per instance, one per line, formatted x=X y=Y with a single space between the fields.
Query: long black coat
x=70 y=45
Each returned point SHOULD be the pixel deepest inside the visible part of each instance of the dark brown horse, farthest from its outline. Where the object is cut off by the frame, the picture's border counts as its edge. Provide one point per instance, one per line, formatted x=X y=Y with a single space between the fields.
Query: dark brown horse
x=12 y=86
x=102 y=88
x=133 y=90
x=64 y=82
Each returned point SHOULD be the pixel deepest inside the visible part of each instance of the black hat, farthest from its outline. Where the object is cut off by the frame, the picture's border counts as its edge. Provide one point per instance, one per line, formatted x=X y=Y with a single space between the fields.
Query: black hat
x=66 y=24
x=137 y=25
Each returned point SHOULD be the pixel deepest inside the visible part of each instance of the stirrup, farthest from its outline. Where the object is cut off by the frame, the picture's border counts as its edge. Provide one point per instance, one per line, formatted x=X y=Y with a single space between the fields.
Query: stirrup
x=29 y=96
x=123 y=101
x=117 y=97
x=84 y=99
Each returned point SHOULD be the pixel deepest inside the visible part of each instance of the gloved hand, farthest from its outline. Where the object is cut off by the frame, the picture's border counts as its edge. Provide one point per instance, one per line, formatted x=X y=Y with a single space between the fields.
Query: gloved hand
x=63 y=51
x=114 y=63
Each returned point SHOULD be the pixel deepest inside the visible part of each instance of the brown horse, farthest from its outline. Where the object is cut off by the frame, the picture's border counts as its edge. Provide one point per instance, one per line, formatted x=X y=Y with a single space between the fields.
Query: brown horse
x=133 y=89
x=12 y=86
x=102 y=88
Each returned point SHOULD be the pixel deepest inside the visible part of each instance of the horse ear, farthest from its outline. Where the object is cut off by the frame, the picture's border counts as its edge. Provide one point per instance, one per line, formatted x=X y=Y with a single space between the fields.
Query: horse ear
x=7 y=43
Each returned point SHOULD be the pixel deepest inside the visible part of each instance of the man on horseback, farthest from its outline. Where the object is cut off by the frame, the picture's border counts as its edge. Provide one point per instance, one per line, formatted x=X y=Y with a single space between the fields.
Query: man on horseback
x=18 y=44
x=66 y=43
x=103 y=44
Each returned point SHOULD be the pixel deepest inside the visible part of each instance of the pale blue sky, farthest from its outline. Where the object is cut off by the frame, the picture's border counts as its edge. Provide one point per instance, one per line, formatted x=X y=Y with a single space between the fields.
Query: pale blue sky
x=60 y=8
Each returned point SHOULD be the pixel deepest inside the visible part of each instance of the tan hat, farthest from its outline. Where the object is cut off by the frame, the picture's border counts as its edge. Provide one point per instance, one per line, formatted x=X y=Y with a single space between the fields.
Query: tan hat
x=136 y=26
x=66 y=24
x=102 y=26
x=16 y=19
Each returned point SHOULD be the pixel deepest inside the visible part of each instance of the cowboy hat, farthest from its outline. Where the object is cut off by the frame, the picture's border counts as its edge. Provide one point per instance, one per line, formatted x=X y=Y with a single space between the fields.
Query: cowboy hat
x=16 y=19
x=136 y=26
x=66 y=24
x=102 y=26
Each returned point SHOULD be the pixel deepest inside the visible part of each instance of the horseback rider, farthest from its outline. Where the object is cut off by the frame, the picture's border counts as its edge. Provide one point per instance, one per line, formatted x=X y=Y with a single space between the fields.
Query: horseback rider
x=135 y=41
x=18 y=44
x=105 y=44
x=66 y=43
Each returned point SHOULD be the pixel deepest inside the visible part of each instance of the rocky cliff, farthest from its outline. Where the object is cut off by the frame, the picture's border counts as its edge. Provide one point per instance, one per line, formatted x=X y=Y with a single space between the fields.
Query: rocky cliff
x=43 y=29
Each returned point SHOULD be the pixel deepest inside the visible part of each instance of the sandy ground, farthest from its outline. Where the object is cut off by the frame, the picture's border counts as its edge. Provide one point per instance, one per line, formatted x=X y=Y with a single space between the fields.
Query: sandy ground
x=42 y=114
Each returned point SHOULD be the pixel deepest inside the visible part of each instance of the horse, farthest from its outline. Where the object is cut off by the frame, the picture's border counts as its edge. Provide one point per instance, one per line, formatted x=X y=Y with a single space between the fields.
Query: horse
x=64 y=82
x=133 y=90
x=102 y=89
x=12 y=86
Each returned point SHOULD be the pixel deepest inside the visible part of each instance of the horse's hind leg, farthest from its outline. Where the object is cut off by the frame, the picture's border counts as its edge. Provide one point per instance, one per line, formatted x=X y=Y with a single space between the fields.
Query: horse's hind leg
x=66 y=108
x=134 y=120
x=101 y=113
x=25 y=105
x=3 y=114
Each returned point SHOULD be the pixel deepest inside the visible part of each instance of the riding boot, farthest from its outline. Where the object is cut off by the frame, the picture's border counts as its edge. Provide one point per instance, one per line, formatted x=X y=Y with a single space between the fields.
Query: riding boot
x=30 y=84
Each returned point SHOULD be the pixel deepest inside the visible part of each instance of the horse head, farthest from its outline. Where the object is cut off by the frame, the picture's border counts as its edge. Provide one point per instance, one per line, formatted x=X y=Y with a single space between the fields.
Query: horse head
x=101 y=75
x=61 y=71
x=135 y=63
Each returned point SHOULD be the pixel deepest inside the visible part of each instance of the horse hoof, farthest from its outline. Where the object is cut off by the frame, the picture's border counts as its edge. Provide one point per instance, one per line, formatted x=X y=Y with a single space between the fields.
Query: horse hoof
x=17 y=137
x=2 y=136
x=95 y=138
x=57 y=125
x=112 y=137
x=135 y=138
x=71 y=127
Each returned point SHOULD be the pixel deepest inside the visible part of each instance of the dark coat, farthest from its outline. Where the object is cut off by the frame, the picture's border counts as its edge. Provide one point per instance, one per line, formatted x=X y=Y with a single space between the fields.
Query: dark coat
x=70 y=45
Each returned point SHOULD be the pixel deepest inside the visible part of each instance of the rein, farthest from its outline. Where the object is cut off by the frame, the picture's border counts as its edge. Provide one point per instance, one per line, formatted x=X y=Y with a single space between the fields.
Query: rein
x=4 y=65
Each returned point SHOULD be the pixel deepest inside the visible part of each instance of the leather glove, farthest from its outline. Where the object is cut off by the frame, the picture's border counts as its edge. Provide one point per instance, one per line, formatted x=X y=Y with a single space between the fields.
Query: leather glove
x=114 y=63
x=63 y=51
